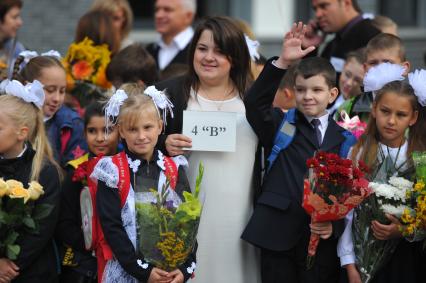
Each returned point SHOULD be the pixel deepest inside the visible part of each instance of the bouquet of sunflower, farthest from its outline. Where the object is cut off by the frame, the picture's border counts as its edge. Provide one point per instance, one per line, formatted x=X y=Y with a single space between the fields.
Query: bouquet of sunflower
x=85 y=65
x=414 y=217
x=167 y=224
x=18 y=213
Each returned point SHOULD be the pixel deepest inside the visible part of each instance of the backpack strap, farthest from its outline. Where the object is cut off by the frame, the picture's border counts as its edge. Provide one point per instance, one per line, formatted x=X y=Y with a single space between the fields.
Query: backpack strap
x=350 y=140
x=283 y=137
x=120 y=160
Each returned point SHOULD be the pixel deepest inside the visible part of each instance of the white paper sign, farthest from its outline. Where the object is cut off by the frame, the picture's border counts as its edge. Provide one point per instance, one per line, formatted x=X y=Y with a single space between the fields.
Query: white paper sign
x=211 y=131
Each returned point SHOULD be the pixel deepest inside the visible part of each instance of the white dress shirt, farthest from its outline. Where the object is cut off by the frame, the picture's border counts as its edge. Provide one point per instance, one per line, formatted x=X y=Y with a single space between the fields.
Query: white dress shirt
x=168 y=52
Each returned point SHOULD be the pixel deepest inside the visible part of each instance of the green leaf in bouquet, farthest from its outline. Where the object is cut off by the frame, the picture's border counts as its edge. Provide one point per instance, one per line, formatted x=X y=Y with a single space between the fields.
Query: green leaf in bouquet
x=12 y=251
x=11 y=238
x=15 y=206
x=148 y=222
x=29 y=222
x=191 y=207
x=42 y=211
x=419 y=159
x=199 y=179
x=3 y=216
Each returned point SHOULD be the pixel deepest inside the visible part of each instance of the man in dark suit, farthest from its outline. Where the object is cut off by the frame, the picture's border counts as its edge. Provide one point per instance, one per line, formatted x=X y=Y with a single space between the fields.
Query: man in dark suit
x=173 y=19
x=343 y=19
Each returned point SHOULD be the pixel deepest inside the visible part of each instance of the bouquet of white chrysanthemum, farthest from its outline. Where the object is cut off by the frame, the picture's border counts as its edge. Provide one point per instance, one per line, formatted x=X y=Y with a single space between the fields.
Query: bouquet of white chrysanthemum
x=391 y=197
x=387 y=198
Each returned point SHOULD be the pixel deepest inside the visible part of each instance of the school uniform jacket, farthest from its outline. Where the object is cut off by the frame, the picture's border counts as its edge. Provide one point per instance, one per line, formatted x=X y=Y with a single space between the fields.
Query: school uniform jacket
x=37 y=259
x=69 y=233
x=278 y=220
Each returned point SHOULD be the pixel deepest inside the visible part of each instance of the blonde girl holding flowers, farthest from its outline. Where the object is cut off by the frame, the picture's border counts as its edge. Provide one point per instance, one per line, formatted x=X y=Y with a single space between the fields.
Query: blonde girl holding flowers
x=25 y=156
x=139 y=123
x=396 y=108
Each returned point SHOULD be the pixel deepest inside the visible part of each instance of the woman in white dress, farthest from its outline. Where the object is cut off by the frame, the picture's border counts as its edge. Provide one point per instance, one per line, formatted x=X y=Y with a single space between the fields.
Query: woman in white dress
x=219 y=73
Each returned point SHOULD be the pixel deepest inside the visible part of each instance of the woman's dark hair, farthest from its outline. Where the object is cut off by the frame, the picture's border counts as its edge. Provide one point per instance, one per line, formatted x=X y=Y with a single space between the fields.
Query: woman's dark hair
x=32 y=70
x=231 y=42
x=94 y=109
x=6 y=5
x=97 y=25
x=368 y=145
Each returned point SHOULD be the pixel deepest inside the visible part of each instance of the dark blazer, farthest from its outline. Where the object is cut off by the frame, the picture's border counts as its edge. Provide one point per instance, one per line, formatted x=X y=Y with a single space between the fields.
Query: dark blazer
x=350 y=39
x=69 y=233
x=180 y=58
x=279 y=221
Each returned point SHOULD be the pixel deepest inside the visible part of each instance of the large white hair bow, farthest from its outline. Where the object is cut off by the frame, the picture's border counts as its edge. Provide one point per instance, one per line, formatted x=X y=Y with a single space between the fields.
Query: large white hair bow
x=112 y=109
x=31 y=92
x=252 y=46
x=28 y=55
x=382 y=74
x=160 y=100
x=417 y=80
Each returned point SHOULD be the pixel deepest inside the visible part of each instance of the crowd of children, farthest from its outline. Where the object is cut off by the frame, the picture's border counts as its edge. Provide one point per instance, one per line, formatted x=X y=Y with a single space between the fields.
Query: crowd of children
x=253 y=227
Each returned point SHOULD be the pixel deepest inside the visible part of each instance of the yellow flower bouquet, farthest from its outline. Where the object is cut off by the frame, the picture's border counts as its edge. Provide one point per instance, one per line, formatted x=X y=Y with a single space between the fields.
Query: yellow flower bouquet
x=18 y=213
x=85 y=64
x=167 y=227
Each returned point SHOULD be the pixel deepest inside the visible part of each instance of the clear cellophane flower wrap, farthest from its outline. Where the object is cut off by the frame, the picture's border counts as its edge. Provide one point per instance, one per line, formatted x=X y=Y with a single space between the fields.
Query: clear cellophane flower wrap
x=334 y=187
x=388 y=197
x=168 y=224
x=414 y=217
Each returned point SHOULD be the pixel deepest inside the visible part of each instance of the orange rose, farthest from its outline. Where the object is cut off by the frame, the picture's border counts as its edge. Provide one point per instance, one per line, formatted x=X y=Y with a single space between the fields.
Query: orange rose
x=82 y=70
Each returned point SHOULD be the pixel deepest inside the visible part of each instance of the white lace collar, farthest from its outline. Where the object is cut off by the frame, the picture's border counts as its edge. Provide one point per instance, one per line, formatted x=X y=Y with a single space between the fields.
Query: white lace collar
x=133 y=164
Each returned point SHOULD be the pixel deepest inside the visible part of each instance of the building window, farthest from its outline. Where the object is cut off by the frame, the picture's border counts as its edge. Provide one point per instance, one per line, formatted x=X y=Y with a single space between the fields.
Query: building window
x=403 y=13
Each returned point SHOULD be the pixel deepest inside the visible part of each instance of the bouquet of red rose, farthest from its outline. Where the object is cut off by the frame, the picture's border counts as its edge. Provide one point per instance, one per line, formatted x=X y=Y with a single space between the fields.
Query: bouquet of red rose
x=334 y=187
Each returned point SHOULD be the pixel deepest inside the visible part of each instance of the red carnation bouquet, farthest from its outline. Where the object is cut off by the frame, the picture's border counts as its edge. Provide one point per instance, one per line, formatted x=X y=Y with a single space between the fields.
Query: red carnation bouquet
x=333 y=188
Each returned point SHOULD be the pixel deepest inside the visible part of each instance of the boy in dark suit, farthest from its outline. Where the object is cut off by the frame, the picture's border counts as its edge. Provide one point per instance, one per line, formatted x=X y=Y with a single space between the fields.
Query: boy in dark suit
x=279 y=225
